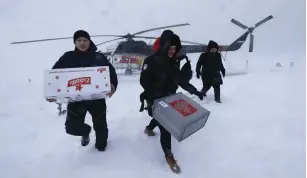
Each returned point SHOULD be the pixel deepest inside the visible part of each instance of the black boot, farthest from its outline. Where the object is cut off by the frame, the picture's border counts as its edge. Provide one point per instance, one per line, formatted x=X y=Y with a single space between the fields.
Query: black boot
x=204 y=92
x=199 y=94
x=101 y=147
x=149 y=132
x=85 y=140
x=101 y=141
x=218 y=100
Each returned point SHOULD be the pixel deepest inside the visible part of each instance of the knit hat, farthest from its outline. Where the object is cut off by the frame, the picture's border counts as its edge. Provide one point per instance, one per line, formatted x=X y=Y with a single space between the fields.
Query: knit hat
x=212 y=44
x=81 y=33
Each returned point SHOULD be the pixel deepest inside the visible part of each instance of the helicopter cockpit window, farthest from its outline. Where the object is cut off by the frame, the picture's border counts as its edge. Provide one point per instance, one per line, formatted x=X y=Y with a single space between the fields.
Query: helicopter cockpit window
x=138 y=47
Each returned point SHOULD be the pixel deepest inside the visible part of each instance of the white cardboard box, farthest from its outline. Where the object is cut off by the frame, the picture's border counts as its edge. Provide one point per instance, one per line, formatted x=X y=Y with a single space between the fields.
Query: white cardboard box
x=77 y=84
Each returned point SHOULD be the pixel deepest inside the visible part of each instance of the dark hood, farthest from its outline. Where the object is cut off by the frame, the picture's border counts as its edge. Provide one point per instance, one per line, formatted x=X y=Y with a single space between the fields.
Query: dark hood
x=212 y=44
x=175 y=40
x=165 y=36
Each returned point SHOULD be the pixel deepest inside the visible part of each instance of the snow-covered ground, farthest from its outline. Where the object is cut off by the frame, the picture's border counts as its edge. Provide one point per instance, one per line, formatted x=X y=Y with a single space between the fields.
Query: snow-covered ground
x=257 y=132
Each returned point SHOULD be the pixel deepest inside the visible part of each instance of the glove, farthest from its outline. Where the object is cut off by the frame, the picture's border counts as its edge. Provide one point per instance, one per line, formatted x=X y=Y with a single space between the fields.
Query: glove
x=223 y=73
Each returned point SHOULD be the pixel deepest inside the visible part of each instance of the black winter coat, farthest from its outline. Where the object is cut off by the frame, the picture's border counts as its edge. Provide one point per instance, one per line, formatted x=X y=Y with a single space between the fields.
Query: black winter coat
x=210 y=65
x=160 y=76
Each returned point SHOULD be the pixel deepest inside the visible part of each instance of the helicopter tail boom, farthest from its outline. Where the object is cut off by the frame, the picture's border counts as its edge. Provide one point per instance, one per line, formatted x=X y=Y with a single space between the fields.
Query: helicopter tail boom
x=237 y=44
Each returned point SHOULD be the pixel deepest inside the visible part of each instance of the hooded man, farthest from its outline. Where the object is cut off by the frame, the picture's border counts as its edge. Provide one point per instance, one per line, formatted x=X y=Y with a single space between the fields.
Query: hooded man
x=185 y=75
x=159 y=78
x=210 y=66
x=85 y=55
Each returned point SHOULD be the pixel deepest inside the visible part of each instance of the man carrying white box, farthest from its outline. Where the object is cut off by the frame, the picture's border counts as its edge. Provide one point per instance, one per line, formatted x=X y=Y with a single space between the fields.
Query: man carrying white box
x=85 y=57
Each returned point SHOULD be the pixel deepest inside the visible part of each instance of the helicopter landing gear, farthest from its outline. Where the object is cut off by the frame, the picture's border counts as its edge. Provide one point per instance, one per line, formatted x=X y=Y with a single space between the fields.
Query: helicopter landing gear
x=128 y=72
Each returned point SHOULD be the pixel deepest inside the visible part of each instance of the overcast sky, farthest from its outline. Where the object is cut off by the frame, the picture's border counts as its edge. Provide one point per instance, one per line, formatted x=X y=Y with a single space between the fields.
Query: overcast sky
x=31 y=19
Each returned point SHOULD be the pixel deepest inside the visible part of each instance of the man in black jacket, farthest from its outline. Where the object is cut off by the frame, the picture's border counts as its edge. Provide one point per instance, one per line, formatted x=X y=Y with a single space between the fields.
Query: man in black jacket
x=210 y=66
x=185 y=75
x=85 y=55
x=159 y=78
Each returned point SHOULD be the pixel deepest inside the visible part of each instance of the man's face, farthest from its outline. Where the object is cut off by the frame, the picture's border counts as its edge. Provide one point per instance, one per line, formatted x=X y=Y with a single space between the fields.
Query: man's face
x=213 y=50
x=82 y=44
x=171 y=51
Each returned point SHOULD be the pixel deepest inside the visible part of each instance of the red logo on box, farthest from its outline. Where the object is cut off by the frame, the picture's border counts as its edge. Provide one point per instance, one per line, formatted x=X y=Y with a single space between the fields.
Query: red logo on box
x=183 y=107
x=78 y=82
x=101 y=70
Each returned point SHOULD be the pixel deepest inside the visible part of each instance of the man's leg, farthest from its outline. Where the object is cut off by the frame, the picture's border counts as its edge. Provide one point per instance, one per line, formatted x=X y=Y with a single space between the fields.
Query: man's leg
x=97 y=109
x=75 y=125
x=206 y=85
x=166 y=144
x=152 y=124
x=150 y=127
x=205 y=89
x=192 y=90
x=165 y=140
x=217 y=93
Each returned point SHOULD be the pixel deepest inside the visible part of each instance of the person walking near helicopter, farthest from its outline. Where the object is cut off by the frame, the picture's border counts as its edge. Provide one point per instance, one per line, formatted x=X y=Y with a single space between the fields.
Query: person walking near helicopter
x=159 y=78
x=85 y=55
x=185 y=76
x=209 y=67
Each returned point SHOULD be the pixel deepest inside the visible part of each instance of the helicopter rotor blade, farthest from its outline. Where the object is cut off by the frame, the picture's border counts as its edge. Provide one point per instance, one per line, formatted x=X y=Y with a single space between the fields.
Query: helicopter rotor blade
x=158 y=28
x=238 y=23
x=263 y=21
x=192 y=42
x=251 y=43
x=148 y=37
x=121 y=36
x=107 y=36
x=62 y=38
x=110 y=41
x=47 y=39
x=145 y=37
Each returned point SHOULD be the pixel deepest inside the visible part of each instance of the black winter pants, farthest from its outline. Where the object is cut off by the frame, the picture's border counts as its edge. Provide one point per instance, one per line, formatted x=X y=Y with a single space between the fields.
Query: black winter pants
x=75 y=120
x=165 y=136
x=216 y=88
x=189 y=88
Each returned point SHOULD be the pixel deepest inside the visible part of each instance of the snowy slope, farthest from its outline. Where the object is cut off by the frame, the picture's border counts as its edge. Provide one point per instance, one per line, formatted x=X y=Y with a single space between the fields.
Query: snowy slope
x=258 y=130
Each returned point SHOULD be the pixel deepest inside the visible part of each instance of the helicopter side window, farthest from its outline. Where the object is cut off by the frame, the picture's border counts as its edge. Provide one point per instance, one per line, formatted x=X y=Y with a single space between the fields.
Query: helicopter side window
x=138 y=47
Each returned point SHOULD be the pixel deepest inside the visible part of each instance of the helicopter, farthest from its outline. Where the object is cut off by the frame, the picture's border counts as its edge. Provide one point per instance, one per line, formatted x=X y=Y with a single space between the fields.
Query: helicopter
x=130 y=54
